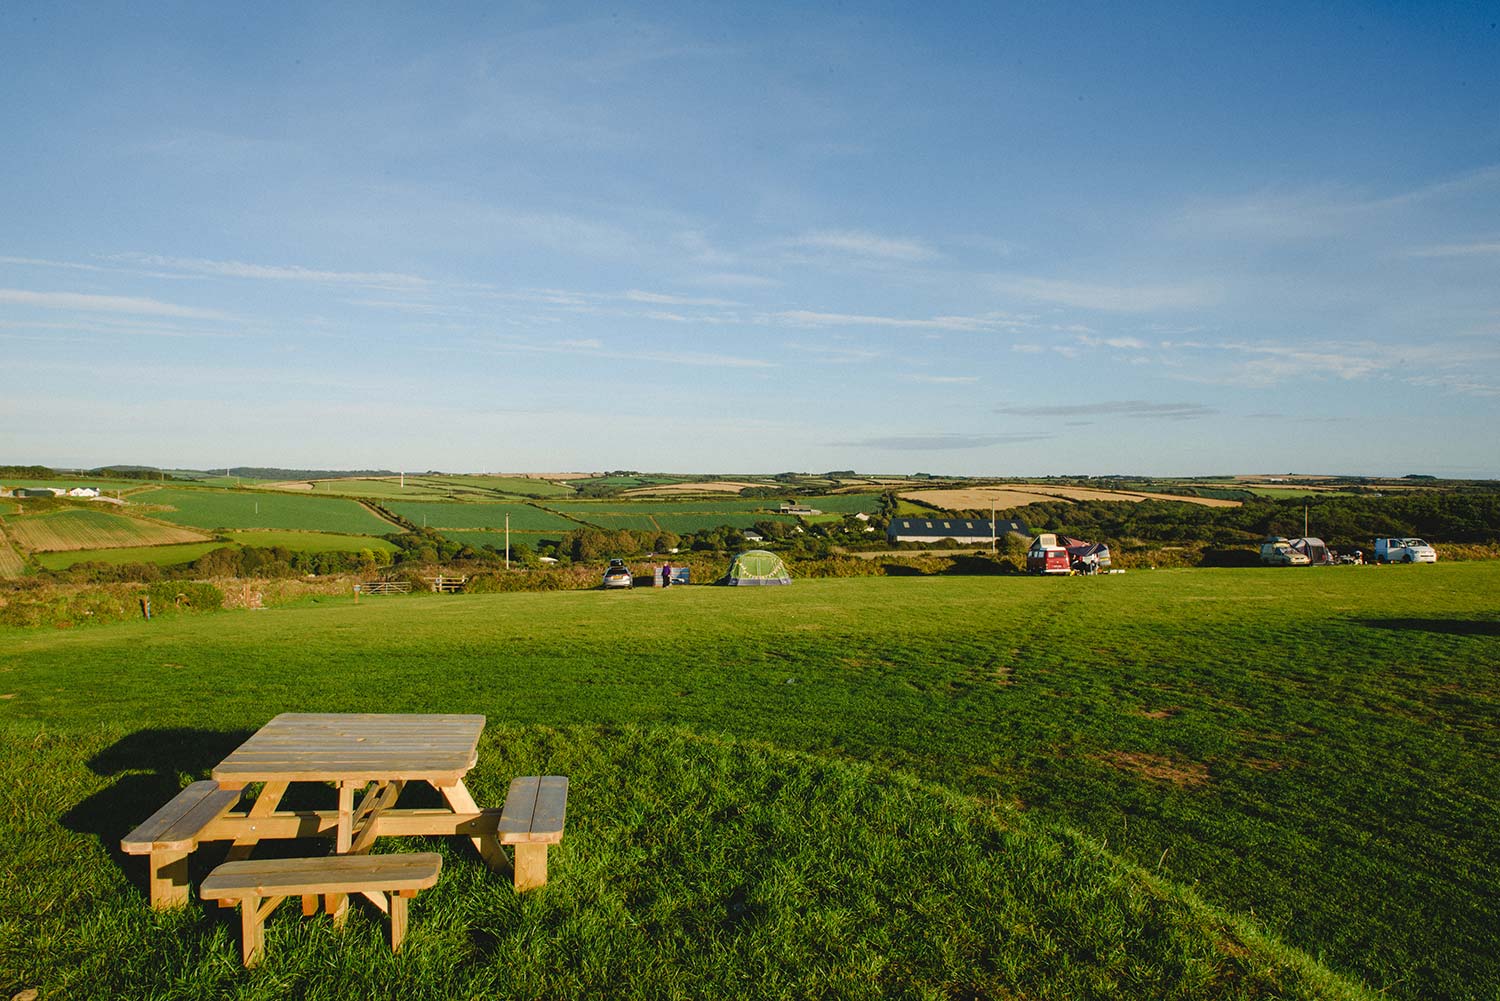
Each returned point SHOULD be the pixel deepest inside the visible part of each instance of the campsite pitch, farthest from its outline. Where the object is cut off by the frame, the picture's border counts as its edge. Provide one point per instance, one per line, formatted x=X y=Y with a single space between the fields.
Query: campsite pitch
x=920 y=786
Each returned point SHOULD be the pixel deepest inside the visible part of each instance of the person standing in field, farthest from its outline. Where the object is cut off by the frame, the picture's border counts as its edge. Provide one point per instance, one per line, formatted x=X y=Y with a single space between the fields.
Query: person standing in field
x=666 y=575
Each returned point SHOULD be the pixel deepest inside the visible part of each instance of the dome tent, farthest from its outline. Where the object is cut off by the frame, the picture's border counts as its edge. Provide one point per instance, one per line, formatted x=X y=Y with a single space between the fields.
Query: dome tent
x=756 y=566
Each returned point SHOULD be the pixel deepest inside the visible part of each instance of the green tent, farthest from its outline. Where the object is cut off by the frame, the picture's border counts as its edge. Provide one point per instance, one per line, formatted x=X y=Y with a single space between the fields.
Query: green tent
x=756 y=566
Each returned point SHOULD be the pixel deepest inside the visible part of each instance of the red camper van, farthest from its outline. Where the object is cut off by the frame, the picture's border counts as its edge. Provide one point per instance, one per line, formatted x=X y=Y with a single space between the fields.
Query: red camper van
x=1047 y=556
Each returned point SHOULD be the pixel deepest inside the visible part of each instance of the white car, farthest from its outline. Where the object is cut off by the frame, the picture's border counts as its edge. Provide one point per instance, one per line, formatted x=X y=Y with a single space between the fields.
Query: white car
x=617 y=575
x=1277 y=553
x=1404 y=551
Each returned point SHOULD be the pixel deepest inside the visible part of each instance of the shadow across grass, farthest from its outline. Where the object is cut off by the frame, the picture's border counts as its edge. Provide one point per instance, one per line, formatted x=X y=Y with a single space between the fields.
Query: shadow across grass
x=1452 y=627
x=150 y=765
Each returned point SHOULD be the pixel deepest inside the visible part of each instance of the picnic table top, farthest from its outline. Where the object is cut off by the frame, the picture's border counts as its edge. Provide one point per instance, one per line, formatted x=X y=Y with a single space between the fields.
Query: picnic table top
x=356 y=747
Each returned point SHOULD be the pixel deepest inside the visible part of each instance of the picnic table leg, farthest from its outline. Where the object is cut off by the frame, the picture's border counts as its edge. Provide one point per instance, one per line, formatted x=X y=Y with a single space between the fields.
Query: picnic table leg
x=253 y=914
x=398 y=918
x=346 y=818
x=531 y=866
x=265 y=804
x=337 y=906
x=459 y=801
x=169 y=879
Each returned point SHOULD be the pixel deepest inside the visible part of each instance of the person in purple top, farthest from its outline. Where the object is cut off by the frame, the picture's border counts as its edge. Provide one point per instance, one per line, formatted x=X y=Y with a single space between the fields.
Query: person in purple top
x=666 y=575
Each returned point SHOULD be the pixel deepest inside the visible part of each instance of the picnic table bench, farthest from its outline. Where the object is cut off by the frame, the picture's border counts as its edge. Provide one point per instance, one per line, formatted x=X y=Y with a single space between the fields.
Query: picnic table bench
x=258 y=886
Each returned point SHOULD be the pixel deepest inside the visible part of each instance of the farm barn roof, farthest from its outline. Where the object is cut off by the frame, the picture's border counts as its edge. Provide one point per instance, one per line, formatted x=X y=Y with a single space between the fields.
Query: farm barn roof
x=924 y=529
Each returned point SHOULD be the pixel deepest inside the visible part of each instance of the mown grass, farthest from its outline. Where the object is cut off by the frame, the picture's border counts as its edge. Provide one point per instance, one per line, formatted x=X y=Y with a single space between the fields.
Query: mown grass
x=225 y=509
x=1318 y=750
x=692 y=867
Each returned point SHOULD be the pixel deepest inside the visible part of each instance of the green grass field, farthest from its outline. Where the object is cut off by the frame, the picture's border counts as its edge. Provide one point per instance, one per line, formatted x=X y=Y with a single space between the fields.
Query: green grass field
x=313 y=542
x=211 y=509
x=439 y=514
x=844 y=503
x=1145 y=785
x=480 y=539
x=185 y=552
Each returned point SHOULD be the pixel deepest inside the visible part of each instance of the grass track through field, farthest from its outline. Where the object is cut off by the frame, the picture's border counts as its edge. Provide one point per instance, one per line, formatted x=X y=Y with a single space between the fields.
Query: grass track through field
x=1322 y=748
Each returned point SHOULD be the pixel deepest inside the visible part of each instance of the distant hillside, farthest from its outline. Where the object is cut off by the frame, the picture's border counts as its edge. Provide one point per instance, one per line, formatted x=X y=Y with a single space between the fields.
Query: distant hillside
x=275 y=473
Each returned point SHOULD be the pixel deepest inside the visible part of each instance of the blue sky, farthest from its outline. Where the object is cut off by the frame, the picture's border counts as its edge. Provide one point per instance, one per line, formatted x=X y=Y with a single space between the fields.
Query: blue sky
x=980 y=239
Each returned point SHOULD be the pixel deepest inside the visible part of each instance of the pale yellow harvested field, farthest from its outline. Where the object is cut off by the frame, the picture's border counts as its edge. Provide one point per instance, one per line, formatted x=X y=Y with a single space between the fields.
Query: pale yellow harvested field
x=979 y=498
x=10 y=563
x=1089 y=493
x=67 y=530
x=712 y=486
x=975 y=498
x=289 y=485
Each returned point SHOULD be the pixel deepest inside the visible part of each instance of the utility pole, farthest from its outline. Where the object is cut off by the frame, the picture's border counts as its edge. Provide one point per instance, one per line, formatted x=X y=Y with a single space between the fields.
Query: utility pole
x=993 y=531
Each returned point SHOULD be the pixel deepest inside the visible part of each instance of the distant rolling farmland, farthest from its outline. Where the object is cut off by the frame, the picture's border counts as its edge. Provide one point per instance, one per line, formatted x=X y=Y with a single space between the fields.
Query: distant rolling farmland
x=681 y=523
x=479 y=539
x=11 y=564
x=252 y=509
x=312 y=542
x=843 y=503
x=164 y=556
x=78 y=528
x=436 y=514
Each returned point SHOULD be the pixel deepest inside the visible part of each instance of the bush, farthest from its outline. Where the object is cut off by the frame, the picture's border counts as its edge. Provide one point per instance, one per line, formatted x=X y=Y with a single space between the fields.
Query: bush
x=185 y=595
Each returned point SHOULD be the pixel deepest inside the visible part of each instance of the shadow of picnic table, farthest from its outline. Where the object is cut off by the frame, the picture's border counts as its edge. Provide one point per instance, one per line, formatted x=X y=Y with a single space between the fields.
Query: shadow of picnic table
x=151 y=765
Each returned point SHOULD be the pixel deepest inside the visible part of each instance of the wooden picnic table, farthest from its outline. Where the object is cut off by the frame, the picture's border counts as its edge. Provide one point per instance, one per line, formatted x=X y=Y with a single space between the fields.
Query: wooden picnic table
x=369 y=755
x=377 y=753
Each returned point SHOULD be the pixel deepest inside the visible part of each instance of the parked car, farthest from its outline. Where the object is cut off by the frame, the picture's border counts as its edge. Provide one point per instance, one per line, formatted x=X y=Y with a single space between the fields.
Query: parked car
x=1404 y=551
x=617 y=574
x=1278 y=552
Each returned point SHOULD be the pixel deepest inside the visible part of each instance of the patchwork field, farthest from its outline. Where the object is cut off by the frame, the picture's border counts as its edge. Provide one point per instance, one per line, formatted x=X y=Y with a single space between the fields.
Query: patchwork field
x=479 y=539
x=165 y=556
x=672 y=516
x=979 y=498
x=227 y=509
x=418 y=487
x=312 y=542
x=84 y=528
x=697 y=487
x=438 y=514
x=11 y=564
x=1147 y=785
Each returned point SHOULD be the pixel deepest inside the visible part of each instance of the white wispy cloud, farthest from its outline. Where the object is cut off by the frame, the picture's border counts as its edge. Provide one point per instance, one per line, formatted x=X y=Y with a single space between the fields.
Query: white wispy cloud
x=873 y=246
x=664 y=299
x=811 y=318
x=274 y=272
x=1483 y=249
x=1123 y=343
x=1111 y=298
x=1113 y=408
x=939 y=442
x=941 y=380
x=87 y=302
